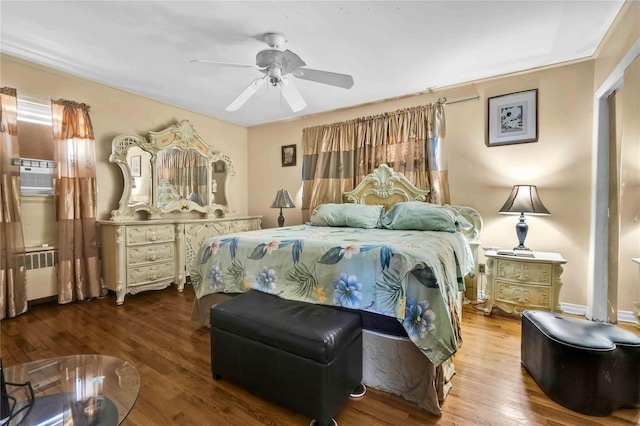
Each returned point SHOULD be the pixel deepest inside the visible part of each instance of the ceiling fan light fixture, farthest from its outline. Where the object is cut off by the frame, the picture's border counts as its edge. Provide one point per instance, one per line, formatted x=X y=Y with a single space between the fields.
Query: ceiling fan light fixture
x=275 y=76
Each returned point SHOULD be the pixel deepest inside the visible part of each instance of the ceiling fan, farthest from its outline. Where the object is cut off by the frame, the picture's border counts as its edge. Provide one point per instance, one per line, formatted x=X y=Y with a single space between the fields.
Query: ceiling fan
x=277 y=67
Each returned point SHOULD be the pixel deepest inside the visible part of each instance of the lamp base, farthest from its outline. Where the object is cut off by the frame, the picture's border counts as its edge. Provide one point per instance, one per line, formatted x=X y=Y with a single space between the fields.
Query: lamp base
x=281 y=219
x=521 y=232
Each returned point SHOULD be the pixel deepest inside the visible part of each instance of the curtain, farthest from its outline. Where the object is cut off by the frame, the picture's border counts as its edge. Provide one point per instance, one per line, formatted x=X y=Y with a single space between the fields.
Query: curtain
x=186 y=171
x=75 y=192
x=336 y=157
x=13 y=281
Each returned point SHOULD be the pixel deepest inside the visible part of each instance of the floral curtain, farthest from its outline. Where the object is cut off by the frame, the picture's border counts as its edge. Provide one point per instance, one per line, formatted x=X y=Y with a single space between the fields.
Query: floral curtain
x=13 y=281
x=336 y=157
x=75 y=191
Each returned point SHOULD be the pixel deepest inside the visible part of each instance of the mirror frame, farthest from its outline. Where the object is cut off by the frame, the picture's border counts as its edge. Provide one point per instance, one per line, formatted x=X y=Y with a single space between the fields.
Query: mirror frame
x=183 y=136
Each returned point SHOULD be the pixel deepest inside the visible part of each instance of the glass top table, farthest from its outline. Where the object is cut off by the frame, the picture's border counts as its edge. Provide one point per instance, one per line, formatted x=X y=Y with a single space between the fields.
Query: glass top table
x=87 y=390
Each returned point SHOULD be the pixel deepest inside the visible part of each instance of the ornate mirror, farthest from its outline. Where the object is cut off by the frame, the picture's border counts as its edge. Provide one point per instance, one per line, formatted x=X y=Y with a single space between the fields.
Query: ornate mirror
x=171 y=170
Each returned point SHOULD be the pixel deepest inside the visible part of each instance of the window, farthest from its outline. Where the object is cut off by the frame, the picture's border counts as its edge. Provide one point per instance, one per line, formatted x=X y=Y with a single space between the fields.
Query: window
x=34 y=110
x=35 y=134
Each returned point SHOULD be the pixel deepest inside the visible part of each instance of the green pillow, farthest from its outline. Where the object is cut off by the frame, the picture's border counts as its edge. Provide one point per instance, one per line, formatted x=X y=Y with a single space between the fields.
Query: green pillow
x=421 y=216
x=351 y=215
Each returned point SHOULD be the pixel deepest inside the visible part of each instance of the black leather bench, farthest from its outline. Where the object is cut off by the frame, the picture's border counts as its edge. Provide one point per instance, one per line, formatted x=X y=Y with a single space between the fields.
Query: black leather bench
x=589 y=367
x=305 y=357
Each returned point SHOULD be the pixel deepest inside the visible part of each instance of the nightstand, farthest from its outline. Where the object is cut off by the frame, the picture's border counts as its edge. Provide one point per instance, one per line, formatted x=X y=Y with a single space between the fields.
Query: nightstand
x=517 y=283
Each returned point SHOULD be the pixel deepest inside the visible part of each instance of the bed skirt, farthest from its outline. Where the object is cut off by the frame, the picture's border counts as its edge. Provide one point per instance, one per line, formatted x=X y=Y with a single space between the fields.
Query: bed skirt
x=391 y=364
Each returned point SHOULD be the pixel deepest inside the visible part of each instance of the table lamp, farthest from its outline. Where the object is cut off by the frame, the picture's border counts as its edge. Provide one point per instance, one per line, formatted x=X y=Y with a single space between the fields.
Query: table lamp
x=523 y=199
x=282 y=201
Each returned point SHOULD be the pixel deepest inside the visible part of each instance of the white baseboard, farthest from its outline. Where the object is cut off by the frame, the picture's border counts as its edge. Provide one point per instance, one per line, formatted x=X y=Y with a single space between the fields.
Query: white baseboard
x=573 y=309
x=623 y=316
x=627 y=316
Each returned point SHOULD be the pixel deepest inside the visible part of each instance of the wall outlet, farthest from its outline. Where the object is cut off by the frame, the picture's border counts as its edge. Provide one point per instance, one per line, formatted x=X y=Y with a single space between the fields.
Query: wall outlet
x=481 y=268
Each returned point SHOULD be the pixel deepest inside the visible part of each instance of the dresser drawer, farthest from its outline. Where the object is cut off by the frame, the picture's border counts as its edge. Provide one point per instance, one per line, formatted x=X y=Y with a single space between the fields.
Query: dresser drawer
x=522 y=271
x=150 y=253
x=531 y=296
x=246 y=225
x=145 y=234
x=144 y=274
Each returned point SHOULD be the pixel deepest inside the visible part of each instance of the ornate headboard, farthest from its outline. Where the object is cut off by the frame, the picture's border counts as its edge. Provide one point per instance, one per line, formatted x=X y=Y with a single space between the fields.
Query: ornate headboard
x=384 y=186
x=387 y=187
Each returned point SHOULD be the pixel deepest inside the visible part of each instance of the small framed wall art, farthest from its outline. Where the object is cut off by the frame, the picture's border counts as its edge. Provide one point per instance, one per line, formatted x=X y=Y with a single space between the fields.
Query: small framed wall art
x=288 y=155
x=513 y=118
x=135 y=166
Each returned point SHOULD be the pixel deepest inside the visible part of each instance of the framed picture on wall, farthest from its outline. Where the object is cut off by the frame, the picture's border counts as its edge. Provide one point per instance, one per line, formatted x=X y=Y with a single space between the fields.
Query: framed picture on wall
x=513 y=118
x=288 y=155
x=135 y=166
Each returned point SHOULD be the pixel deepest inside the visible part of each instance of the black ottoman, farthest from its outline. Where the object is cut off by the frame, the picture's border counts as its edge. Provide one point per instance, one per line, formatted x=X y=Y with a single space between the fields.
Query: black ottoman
x=305 y=357
x=589 y=367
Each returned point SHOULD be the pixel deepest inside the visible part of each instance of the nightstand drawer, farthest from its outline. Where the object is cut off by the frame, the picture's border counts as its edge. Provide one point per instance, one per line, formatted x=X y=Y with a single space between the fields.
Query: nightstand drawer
x=531 y=296
x=152 y=253
x=150 y=234
x=523 y=271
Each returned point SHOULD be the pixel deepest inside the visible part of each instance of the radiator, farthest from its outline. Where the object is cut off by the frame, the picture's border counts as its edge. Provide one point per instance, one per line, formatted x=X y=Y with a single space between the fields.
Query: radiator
x=41 y=272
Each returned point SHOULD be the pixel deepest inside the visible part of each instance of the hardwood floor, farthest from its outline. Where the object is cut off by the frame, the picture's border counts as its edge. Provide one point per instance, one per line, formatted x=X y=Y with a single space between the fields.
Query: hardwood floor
x=153 y=331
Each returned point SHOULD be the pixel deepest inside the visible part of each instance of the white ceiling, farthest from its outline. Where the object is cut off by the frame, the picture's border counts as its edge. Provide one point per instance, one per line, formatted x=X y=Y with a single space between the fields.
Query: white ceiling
x=390 y=48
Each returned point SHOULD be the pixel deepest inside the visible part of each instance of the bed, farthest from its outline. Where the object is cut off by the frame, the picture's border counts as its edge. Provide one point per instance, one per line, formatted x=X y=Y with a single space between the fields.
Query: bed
x=407 y=283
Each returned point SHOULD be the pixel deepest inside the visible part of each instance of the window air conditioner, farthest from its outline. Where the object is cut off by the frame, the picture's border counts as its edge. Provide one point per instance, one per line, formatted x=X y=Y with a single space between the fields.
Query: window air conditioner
x=36 y=176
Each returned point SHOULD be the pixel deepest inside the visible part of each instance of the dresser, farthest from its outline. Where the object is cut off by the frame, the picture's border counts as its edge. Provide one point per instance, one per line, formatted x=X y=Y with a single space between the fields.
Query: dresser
x=167 y=174
x=518 y=283
x=151 y=255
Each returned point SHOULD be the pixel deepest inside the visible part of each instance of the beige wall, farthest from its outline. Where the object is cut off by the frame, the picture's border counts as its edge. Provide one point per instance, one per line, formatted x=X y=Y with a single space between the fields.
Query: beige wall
x=621 y=37
x=624 y=32
x=629 y=203
x=115 y=111
x=482 y=177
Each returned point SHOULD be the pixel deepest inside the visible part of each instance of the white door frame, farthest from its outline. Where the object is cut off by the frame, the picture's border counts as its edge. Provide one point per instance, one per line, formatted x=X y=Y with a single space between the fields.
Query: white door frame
x=599 y=240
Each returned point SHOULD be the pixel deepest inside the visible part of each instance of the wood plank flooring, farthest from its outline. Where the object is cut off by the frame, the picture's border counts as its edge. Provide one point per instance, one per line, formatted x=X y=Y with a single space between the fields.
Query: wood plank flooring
x=153 y=331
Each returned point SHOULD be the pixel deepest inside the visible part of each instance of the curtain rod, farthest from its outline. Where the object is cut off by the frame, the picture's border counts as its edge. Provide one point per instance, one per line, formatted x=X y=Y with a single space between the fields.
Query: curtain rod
x=443 y=100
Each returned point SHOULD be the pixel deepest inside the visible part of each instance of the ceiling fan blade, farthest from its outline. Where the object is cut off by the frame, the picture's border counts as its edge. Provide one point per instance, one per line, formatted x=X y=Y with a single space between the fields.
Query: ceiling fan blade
x=225 y=64
x=292 y=96
x=331 y=78
x=246 y=94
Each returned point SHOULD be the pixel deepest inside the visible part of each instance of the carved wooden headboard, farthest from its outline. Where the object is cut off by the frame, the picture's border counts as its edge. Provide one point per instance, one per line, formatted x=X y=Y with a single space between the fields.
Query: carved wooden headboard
x=386 y=187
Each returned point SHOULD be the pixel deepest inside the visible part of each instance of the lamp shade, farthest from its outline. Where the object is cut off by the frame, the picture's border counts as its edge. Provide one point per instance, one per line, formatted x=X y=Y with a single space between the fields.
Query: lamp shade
x=283 y=200
x=524 y=199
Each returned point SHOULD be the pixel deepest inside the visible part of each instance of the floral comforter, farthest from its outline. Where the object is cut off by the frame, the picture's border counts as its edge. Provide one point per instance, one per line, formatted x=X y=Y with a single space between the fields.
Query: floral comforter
x=413 y=276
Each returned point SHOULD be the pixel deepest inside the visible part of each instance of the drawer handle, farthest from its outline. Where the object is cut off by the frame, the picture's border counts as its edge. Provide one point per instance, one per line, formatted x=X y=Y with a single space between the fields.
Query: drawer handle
x=153 y=274
x=151 y=235
x=152 y=254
